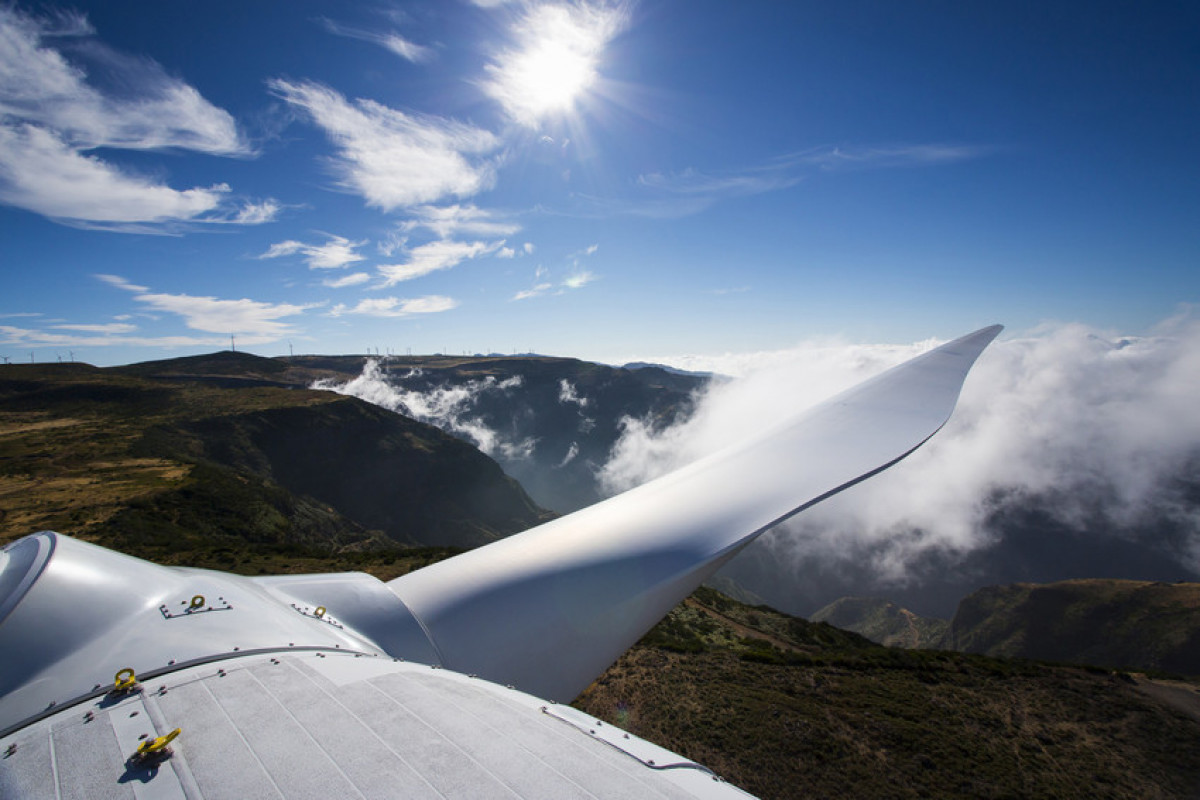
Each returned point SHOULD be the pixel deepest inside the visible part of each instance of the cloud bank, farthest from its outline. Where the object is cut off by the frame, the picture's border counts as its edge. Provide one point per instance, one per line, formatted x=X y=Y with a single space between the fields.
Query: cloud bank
x=1105 y=425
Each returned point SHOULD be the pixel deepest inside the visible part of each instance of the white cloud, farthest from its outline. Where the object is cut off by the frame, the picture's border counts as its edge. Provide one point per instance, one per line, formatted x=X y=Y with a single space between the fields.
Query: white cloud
x=449 y=407
x=40 y=173
x=393 y=159
x=353 y=279
x=579 y=279
x=24 y=337
x=568 y=394
x=51 y=117
x=390 y=40
x=39 y=85
x=432 y=257
x=397 y=307
x=336 y=253
x=506 y=252
x=536 y=291
x=555 y=59
x=255 y=213
x=110 y=327
x=447 y=222
x=226 y=316
x=528 y=248
x=120 y=283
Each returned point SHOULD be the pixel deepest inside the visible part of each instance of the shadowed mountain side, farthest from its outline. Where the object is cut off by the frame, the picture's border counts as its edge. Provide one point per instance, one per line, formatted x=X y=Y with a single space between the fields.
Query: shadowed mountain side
x=884 y=622
x=384 y=471
x=786 y=708
x=1109 y=623
x=550 y=422
x=188 y=472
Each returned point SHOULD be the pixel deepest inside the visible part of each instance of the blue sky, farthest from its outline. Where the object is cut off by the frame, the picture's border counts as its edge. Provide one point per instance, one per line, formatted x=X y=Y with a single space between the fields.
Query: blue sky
x=608 y=180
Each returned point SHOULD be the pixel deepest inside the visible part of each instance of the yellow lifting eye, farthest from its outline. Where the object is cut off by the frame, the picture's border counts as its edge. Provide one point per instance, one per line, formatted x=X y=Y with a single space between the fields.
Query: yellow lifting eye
x=125 y=679
x=150 y=747
x=320 y=612
x=197 y=603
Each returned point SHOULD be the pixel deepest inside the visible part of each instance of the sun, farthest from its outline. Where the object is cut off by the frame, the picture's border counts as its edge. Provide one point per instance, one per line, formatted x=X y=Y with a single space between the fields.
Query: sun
x=549 y=78
x=555 y=62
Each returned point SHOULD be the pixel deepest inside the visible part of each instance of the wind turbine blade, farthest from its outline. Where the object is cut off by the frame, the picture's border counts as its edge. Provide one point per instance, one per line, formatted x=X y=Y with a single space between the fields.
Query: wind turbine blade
x=549 y=609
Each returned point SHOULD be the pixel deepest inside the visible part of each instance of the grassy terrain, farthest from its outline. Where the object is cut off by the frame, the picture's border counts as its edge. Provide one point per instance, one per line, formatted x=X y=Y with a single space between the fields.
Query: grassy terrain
x=786 y=708
x=248 y=478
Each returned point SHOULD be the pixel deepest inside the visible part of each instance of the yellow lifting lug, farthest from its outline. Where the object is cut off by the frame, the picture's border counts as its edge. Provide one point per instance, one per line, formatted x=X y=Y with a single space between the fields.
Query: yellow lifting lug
x=125 y=680
x=197 y=603
x=320 y=612
x=153 y=748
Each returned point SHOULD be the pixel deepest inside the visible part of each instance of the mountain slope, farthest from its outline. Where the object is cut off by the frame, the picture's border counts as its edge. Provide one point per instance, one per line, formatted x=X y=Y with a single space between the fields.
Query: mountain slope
x=1111 y=623
x=786 y=708
x=884 y=622
x=165 y=468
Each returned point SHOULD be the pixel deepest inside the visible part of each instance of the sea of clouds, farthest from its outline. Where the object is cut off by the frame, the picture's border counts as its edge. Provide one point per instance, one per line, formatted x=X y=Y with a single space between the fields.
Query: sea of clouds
x=1108 y=426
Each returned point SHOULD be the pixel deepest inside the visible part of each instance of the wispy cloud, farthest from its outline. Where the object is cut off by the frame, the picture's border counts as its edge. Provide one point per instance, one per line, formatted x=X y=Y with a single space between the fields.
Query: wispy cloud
x=447 y=222
x=215 y=315
x=555 y=57
x=393 y=159
x=40 y=85
x=690 y=191
x=354 y=279
x=579 y=279
x=432 y=257
x=52 y=117
x=885 y=157
x=109 y=327
x=118 y=282
x=397 y=307
x=576 y=280
x=537 y=290
x=390 y=40
x=337 y=252
x=26 y=337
